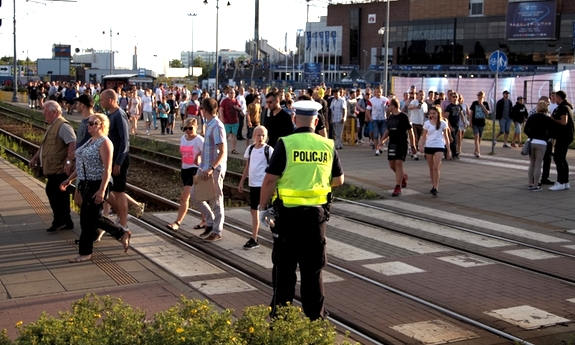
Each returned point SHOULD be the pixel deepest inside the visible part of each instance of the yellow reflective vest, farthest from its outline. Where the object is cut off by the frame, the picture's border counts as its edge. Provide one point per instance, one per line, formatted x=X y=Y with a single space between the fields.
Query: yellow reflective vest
x=306 y=180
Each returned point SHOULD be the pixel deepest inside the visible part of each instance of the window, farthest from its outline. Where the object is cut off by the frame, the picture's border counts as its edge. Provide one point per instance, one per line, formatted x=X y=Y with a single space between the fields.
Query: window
x=475 y=7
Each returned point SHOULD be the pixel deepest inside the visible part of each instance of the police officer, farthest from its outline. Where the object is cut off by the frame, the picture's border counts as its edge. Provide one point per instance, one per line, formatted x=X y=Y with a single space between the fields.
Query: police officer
x=303 y=168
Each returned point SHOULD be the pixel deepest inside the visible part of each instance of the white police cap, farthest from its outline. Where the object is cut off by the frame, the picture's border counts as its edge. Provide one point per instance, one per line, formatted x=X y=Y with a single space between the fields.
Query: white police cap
x=306 y=108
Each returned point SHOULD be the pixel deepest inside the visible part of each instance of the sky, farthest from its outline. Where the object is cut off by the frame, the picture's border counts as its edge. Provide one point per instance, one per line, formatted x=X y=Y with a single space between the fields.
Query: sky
x=161 y=28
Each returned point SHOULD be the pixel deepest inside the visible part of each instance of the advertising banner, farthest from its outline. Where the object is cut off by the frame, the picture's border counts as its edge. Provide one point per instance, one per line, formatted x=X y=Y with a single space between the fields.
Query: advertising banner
x=312 y=72
x=533 y=20
x=323 y=41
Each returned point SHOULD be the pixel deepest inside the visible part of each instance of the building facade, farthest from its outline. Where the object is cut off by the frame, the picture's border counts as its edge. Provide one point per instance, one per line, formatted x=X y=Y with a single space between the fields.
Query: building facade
x=455 y=36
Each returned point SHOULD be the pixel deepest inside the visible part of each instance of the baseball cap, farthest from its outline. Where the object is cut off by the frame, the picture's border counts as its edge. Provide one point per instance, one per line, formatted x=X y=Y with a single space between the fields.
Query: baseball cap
x=86 y=100
x=519 y=97
x=507 y=92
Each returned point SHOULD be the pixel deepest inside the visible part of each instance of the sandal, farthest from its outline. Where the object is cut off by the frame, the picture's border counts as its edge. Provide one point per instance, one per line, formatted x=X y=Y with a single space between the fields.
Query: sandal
x=200 y=226
x=234 y=152
x=81 y=258
x=126 y=240
x=174 y=226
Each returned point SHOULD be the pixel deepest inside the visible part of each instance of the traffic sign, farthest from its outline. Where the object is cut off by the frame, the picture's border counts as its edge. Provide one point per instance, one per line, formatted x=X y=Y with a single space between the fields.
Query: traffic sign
x=497 y=61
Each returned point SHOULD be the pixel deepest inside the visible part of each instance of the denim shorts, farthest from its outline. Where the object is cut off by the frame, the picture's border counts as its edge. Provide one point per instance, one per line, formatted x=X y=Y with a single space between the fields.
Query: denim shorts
x=517 y=127
x=478 y=130
x=379 y=127
x=505 y=126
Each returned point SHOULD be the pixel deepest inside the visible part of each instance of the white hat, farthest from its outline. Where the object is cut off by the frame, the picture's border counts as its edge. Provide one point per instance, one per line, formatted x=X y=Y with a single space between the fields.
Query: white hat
x=307 y=108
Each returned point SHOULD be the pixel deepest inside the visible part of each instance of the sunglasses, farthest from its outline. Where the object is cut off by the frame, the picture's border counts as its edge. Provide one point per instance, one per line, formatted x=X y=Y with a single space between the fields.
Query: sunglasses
x=92 y=123
x=188 y=128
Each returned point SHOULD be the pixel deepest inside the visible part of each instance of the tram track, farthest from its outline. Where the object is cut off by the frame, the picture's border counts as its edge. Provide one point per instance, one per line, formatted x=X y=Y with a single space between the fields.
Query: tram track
x=369 y=335
x=358 y=330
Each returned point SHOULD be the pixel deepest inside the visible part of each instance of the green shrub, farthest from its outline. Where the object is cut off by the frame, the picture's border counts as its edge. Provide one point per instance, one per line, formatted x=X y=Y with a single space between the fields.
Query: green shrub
x=95 y=320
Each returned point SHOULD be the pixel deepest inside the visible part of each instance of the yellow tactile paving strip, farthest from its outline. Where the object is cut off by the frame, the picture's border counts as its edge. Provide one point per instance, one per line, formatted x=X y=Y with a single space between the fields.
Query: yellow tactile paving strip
x=37 y=205
x=113 y=270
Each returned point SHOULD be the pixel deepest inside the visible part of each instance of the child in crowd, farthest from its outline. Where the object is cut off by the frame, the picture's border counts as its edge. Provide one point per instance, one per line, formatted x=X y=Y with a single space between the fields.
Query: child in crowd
x=258 y=156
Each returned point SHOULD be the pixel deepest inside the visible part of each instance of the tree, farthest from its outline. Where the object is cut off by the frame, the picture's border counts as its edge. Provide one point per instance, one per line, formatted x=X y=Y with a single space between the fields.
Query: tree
x=6 y=60
x=206 y=67
x=176 y=64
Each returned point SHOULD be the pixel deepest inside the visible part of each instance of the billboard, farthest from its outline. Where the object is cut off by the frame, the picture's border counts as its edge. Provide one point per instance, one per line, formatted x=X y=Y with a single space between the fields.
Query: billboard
x=531 y=20
x=61 y=50
x=312 y=72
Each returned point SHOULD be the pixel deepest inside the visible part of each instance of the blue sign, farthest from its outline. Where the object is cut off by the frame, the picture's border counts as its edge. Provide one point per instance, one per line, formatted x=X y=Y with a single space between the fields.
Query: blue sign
x=464 y=68
x=497 y=61
x=312 y=72
x=141 y=72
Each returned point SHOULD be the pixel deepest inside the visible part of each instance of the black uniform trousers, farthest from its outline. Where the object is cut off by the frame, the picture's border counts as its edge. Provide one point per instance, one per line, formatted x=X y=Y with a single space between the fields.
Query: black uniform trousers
x=59 y=201
x=300 y=241
x=91 y=220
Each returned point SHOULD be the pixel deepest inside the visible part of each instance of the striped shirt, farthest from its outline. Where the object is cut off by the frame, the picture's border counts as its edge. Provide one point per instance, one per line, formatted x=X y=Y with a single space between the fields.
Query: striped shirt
x=215 y=134
x=338 y=109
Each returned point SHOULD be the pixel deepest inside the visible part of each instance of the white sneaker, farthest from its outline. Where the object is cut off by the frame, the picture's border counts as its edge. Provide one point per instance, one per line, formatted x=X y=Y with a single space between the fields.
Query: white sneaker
x=558 y=186
x=567 y=185
x=377 y=152
x=415 y=158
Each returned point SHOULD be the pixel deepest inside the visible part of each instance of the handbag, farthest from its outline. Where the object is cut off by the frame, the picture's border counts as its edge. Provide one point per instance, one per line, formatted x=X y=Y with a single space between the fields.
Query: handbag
x=526 y=150
x=204 y=189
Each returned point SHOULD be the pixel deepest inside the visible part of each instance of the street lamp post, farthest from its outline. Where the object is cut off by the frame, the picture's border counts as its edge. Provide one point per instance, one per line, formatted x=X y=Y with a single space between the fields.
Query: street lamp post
x=192 y=62
x=15 y=86
x=386 y=50
x=111 y=51
x=385 y=31
x=217 y=27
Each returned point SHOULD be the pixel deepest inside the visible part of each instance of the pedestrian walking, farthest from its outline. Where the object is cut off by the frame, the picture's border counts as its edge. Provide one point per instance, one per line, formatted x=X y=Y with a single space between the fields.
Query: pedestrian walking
x=398 y=131
x=212 y=167
x=258 y=157
x=433 y=141
x=191 y=145
x=94 y=172
x=537 y=129
x=55 y=159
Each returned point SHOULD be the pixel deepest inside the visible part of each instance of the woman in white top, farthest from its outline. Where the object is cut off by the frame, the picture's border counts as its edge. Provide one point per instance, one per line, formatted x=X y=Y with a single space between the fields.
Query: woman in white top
x=191 y=145
x=135 y=109
x=433 y=142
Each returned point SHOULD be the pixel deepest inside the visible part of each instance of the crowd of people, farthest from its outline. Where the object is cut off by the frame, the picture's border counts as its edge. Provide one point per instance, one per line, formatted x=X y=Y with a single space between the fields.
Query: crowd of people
x=292 y=143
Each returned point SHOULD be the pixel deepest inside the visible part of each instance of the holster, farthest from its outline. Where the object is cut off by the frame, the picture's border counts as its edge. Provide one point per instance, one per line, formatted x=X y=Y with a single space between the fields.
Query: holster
x=277 y=206
x=327 y=207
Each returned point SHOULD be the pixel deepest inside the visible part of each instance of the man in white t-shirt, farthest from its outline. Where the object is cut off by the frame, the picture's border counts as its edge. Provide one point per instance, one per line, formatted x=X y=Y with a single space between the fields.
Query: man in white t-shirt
x=159 y=94
x=376 y=113
x=417 y=110
x=242 y=116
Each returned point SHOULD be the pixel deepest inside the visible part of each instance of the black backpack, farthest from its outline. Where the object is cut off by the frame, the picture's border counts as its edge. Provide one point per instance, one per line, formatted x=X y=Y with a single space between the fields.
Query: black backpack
x=266 y=151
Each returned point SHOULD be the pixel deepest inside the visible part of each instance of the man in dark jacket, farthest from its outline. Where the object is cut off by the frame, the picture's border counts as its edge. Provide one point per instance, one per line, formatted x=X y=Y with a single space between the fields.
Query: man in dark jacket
x=503 y=114
x=518 y=115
